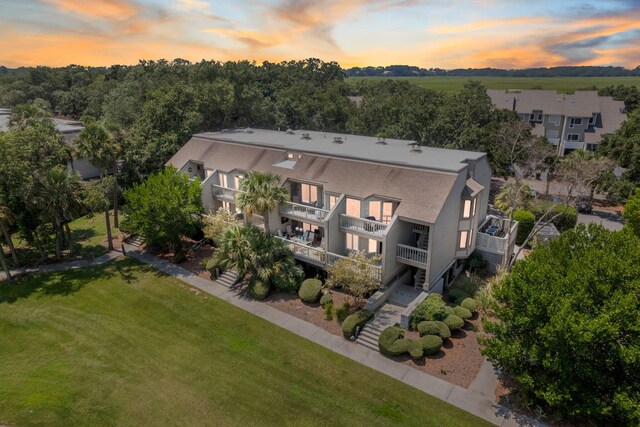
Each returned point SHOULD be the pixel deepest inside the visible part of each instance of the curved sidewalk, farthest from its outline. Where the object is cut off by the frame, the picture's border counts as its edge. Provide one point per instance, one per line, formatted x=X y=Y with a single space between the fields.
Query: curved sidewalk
x=49 y=268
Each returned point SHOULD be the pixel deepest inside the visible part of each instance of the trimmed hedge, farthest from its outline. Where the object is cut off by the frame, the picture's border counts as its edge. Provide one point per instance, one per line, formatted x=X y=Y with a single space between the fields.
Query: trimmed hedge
x=432 y=308
x=258 y=289
x=434 y=327
x=430 y=344
x=326 y=299
x=462 y=313
x=448 y=310
x=359 y=318
x=526 y=222
x=393 y=343
x=454 y=322
x=470 y=304
x=310 y=290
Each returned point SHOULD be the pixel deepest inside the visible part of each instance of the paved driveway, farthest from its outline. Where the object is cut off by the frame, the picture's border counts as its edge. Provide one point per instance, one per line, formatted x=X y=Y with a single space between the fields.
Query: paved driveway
x=606 y=219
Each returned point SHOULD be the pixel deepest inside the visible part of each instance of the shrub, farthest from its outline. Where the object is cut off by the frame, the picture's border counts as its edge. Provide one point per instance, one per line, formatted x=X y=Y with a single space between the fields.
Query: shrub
x=432 y=308
x=457 y=293
x=258 y=289
x=567 y=220
x=453 y=322
x=328 y=311
x=470 y=304
x=310 y=290
x=326 y=299
x=179 y=257
x=359 y=318
x=434 y=327
x=430 y=344
x=393 y=343
x=343 y=311
x=448 y=310
x=288 y=280
x=213 y=268
x=462 y=312
x=477 y=264
x=526 y=222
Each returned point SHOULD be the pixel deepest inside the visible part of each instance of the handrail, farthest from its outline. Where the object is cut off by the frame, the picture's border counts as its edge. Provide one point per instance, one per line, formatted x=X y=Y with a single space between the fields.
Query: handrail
x=224 y=192
x=303 y=211
x=411 y=253
x=363 y=225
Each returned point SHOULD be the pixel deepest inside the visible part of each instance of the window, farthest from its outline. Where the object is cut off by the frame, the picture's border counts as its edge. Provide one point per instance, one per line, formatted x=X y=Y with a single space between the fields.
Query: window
x=466 y=212
x=373 y=246
x=293 y=156
x=352 y=242
x=308 y=227
x=226 y=206
x=236 y=181
x=382 y=211
x=475 y=202
x=208 y=173
x=387 y=212
x=573 y=137
x=374 y=209
x=552 y=134
x=222 y=178
x=554 y=119
x=309 y=193
x=535 y=116
x=470 y=236
x=353 y=207
x=333 y=199
x=575 y=121
x=593 y=119
x=463 y=239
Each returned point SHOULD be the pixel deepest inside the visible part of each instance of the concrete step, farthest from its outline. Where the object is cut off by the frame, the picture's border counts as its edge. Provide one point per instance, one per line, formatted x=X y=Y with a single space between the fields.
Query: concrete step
x=227 y=279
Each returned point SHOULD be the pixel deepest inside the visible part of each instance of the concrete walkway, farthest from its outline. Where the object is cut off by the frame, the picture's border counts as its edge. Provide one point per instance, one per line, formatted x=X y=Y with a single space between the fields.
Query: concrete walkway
x=476 y=400
x=48 y=268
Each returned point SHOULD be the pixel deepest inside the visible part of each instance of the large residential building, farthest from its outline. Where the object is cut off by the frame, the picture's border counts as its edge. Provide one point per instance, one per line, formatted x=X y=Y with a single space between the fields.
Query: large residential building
x=70 y=130
x=423 y=210
x=570 y=122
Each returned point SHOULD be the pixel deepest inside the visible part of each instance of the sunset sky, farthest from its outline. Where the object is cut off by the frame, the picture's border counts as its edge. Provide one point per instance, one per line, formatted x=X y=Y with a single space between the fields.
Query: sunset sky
x=427 y=33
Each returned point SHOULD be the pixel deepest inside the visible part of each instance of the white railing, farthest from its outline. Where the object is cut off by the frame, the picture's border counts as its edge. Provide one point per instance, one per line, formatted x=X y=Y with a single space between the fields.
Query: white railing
x=303 y=211
x=362 y=225
x=494 y=243
x=411 y=253
x=225 y=193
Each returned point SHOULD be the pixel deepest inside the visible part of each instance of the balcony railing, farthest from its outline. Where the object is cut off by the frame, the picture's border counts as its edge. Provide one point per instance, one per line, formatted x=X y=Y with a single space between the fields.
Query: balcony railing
x=224 y=193
x=303 y=211
x=411 y=253
x=362 y=225
x=320 y=256
x=495 y=243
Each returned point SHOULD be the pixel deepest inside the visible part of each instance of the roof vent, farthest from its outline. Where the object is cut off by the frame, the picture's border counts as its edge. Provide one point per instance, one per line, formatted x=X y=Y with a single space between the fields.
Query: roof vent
x=381 y=141
x=290 y=131
x=337 y=140
x=306 y=136
x=248 y=130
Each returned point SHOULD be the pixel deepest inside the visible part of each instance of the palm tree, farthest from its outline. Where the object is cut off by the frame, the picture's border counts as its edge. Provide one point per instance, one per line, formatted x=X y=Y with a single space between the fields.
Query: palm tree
x=7 y=218
x=97 y=145
x=117 y=138
x=261 y=192
x=97 y=200
x=513 y=196
x=235 y=248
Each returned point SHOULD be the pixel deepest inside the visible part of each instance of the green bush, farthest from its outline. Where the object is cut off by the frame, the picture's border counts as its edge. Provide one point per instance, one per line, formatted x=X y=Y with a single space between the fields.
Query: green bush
x=453 y=322
x=462 y=312
x=434 y=327
x=430 y=344
x=477 y=264
x=567 y=220
x=470 y=304
x=258 y=289
x=343 y=311
x=326 y=299
x=448 y=310
x=179 y=258
x=310 y=290
x=457 y=293
x=526 y=221
x=392 y=343
x=213 y=268
x=432 y=308
x=359 y=318
x=328 y=311
x=288 y=280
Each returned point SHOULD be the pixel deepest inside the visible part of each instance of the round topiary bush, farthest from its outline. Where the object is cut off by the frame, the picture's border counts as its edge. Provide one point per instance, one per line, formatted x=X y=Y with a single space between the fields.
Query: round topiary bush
x=457 y=293
x=430 y=344
x=310 y=291
x=326 y=299
x=470 y=304
x=359 y=318
x=448 y=310
x=454 y=322
x=392 y=343
x=462 y=313
x=258 y=289
x=434 y=327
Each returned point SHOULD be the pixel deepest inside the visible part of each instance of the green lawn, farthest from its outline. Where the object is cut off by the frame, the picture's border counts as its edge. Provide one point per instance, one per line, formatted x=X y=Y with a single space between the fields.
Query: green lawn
x=122 y=344
x=562 y=84
x=89 y=232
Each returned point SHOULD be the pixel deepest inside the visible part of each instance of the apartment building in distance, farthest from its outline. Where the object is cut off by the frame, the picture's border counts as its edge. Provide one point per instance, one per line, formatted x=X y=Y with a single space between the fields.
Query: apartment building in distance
x=570 y=122
x=70 y=130
x=423 y=210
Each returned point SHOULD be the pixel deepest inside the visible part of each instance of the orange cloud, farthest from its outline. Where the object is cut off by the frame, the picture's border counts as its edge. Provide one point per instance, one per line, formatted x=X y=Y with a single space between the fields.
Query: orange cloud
x=116 y=10
x=487 y=24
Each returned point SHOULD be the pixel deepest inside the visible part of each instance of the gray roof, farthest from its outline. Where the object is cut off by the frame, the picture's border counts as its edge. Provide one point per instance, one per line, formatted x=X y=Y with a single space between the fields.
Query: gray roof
x=63 y=125
x=356 y=147
x=422 y=193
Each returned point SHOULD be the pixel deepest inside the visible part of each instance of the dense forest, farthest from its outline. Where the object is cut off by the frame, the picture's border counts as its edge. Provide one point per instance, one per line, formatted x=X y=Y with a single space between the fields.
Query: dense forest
x=413 y=71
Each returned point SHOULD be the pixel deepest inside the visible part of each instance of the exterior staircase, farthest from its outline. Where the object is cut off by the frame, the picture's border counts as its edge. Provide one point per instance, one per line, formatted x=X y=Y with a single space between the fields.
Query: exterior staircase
x=369 y=336
x=420 y=278
x=135 y=240
x=228 y=279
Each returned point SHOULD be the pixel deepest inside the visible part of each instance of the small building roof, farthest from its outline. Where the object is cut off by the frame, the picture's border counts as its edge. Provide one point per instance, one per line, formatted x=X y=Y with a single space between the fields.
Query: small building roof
x=63 y=125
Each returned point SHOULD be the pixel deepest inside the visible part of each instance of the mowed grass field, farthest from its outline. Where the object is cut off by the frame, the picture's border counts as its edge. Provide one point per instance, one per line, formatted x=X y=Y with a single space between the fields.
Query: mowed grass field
x=562 y=84
x=122 y=344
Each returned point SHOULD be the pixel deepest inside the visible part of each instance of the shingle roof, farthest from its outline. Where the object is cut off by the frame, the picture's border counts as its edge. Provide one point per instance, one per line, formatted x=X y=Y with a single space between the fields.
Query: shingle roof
x=422 y=192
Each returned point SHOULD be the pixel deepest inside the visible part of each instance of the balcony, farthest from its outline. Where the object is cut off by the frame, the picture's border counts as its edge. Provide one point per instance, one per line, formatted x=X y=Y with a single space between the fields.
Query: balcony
x=367 y=227
x=411 y=255
x=303 y=212
x=495 y=236
x=224 y=193
x=574 y=145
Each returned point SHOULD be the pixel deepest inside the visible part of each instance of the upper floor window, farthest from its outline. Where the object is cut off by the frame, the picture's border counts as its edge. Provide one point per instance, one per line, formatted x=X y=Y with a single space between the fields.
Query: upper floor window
x=353 y=207
x=462 y=243
x=381 y=211
x=293 y=156
x=236 y=181
x=592 y=119
x=554 y=119
x=309 y=193
x=223 y=179
x=575 y=121
x=468 y=208
x=208 y=173
x=535 y=116
x=333 y=199
x=573 y=137
x=552 y=134
x=352 y=242
x=373 y=246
